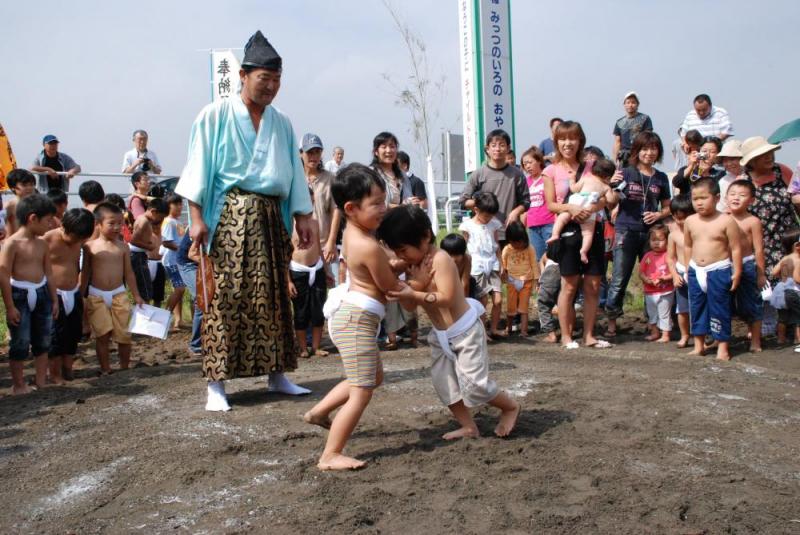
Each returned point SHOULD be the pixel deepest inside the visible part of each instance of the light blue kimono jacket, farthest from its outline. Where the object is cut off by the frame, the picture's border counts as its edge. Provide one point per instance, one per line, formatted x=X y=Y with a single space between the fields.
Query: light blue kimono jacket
x=225 y=151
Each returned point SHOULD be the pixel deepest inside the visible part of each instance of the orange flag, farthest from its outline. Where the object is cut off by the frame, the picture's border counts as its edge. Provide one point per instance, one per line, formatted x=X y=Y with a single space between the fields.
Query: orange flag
x=7 y=160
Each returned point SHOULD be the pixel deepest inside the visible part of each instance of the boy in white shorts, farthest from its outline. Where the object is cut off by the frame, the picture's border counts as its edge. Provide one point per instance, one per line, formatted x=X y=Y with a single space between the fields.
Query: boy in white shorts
x=460 y=368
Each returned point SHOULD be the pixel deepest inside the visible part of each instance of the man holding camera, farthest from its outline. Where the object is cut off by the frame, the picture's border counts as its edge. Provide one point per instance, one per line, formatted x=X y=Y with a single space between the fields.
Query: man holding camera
x=140 y=158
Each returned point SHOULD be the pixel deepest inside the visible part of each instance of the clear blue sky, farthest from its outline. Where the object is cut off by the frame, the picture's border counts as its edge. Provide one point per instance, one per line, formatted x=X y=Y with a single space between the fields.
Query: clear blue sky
x=93 y=71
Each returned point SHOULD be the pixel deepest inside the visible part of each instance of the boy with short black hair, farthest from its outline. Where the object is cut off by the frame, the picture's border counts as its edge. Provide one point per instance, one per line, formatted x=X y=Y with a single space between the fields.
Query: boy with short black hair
x=28 y=292
x=680 y=208
x=65 y=244
x=142 y=241
x=22 y=183
x=712 y=245
x=91 y=194
x=456 y=246
x=482 y=234
x=59 y=199
x=354 y=311
x=460 y=369
x=106 y=272
x=748 y=303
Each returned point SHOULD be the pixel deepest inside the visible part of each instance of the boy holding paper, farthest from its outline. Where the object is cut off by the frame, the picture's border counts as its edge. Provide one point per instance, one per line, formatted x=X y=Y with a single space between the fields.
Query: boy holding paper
x=106 y=271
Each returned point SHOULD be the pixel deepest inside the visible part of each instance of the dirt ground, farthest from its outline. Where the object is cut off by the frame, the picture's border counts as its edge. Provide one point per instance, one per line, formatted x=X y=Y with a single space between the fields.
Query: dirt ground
x=636 y=439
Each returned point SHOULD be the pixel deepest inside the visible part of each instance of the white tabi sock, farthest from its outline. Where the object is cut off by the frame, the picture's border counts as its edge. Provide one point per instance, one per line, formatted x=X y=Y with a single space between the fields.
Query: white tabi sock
x=279 y=383
x=217 y=401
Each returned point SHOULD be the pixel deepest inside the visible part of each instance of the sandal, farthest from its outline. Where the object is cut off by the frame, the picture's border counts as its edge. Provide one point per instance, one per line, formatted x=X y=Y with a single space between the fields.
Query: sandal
x=321 y=353
x=571 y=345
x=601 y=344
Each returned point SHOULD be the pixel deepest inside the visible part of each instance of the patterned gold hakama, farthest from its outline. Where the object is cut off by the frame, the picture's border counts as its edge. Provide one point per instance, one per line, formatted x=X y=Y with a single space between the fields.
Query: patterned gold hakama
x=248 y=328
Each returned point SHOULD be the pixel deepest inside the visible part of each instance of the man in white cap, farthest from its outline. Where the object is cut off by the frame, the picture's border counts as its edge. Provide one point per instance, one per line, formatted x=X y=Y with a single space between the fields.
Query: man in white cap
x=245 y=183
x=628 y=127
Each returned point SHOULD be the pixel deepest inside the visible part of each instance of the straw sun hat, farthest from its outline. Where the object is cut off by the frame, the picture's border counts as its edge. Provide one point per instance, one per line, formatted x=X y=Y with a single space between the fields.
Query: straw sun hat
x=754 y=147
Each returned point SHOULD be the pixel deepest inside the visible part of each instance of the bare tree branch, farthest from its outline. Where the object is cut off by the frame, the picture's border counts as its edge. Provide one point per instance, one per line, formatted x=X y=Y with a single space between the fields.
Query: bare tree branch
x=422 y=95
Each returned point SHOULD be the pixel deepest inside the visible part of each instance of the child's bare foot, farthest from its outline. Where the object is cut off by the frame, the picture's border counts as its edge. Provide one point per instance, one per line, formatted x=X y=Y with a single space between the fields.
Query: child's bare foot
x=664 y=339
x=697 y=353
x=651 y=338
x=551 y=338
x=508 y=419
x=58 y=381
x=723 y=356
x=584 y=258
x=21 y=390
x=464 y=432
x=683 y=342
x=755 y=349
x=315 y=419
x=337 y=461
x=496 y=335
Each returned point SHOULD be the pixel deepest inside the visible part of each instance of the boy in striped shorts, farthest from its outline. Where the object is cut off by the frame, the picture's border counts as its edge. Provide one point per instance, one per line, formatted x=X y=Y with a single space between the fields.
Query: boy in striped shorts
x=354 y=310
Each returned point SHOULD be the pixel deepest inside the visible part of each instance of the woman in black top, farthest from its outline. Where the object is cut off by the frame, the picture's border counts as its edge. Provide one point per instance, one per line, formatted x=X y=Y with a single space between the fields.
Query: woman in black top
x=644 y=201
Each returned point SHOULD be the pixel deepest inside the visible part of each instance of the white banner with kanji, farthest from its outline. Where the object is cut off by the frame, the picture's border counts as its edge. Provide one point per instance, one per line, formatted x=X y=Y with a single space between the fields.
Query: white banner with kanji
x=224 y=74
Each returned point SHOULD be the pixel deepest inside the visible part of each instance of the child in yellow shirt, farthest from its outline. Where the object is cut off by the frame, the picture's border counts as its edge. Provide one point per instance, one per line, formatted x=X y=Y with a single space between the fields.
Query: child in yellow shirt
x=522 y=270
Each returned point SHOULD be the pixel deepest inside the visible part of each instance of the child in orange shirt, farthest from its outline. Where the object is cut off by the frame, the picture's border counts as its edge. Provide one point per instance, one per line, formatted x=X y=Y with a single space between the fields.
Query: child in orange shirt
x=519 y=263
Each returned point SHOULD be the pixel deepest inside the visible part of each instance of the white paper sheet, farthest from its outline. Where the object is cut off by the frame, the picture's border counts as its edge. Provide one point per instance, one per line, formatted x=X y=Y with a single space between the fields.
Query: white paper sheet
x=150 y=321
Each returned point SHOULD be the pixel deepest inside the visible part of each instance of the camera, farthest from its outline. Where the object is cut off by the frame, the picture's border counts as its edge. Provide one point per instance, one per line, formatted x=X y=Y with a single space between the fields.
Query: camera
x=146 y=164
x=702 y=156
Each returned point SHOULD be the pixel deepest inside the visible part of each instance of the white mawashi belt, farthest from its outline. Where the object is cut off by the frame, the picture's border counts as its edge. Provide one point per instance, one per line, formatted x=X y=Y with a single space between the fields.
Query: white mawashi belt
x=31 y=288
x=311 y=270
x=462 y=325
x=68 y=298
x=701 y=272
x=106 y=295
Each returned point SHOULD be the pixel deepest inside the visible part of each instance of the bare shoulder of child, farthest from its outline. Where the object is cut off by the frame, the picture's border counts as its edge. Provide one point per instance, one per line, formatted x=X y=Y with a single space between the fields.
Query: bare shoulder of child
x=368 y=264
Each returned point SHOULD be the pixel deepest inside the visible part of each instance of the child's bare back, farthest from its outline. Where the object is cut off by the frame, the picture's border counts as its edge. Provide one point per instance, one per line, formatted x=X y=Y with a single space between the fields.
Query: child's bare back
x=64 y=259
x=367 y=263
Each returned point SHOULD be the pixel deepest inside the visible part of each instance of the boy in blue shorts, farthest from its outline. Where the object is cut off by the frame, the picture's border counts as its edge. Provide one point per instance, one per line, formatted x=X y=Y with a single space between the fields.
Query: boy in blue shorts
x=680 y=208
x=748 y=303
x=713 y=248
x=28 y=294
